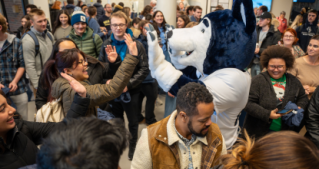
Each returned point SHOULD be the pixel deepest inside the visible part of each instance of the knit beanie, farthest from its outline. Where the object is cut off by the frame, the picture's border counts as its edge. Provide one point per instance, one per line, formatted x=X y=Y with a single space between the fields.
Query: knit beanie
x=78 y=16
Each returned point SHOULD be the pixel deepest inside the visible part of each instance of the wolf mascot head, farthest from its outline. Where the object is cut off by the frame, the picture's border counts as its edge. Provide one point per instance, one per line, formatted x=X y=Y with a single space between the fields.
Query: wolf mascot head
x=223 y=39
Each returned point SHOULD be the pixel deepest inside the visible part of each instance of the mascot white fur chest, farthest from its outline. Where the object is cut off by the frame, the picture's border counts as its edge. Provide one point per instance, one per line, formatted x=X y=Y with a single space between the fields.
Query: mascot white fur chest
x=221 y=47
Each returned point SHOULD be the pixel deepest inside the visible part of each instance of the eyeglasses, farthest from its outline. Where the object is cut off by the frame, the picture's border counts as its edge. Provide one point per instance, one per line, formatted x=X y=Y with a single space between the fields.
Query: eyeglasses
x=116 y=25
x=288 y=36
x=273 y=67
x=83 y=62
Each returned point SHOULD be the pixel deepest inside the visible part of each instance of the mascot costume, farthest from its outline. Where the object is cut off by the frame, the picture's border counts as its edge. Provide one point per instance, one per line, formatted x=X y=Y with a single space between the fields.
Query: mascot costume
x=214 y=53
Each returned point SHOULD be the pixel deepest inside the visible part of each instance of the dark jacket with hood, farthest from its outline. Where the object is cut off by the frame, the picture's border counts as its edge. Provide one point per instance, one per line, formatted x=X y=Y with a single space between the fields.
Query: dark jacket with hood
x=312 y=118
x=141 y=70
x=272 y=38
x=100 y=10
x=21 y=145
x=305 y=32
x=262 y=100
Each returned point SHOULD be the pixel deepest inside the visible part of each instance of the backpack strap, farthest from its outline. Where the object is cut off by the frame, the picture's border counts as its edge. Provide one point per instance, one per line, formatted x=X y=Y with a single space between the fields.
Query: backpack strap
x=50 y=37
x=37 y=46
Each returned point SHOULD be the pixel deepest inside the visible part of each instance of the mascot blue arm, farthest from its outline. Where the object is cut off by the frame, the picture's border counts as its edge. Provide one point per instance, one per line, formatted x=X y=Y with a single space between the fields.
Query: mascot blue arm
x=189 y=75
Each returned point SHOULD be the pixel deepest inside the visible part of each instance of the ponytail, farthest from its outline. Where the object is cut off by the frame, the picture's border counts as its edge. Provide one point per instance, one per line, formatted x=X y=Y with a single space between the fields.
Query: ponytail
x=240 y=156
x=50 y=74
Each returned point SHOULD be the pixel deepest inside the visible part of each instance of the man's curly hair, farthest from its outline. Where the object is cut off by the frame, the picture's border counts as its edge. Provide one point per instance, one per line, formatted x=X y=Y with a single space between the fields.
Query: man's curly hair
x=190 y=95
x=277 y=52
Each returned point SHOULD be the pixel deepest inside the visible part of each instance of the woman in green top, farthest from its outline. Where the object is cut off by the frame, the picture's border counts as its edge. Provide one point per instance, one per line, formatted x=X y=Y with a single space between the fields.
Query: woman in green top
x=270 y=91
x=62 y=25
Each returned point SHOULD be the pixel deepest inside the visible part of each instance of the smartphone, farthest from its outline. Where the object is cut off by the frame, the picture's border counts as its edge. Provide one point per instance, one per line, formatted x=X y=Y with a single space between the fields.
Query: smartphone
x=284 y=111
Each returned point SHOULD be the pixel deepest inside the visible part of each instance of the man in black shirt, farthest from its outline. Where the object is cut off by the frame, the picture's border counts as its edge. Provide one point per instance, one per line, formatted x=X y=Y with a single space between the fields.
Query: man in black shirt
x=104 y=21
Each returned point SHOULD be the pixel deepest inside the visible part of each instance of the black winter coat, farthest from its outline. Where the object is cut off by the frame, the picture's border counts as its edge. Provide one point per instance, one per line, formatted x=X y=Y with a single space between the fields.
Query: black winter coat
x=22 y=141
x=100 y=10
x=262 y=100
x=312 y=118
x=97 y=75
x=272 y=38
x=141 y=71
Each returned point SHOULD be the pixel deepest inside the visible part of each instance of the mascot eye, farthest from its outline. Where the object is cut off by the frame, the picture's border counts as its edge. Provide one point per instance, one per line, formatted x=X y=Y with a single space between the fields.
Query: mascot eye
x=203 y=30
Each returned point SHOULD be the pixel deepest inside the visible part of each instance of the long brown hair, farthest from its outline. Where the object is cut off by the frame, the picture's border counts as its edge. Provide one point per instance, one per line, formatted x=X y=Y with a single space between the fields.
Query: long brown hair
x=58 y=23
x=164 y=21
x=147 y=10
x=284 y=149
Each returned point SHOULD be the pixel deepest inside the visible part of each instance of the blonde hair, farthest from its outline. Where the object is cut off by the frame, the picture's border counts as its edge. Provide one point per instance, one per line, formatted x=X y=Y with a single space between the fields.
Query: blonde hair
x=284 y=149
x=3 y=23
x=296 y=22
x=119 y=14
x=191 y=24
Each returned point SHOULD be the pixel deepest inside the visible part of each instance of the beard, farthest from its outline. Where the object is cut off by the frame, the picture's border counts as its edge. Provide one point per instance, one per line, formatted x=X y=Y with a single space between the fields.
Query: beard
x=191 y=129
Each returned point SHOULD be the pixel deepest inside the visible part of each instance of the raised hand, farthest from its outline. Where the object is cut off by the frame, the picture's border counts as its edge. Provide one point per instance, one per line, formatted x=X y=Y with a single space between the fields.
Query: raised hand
x=131 y=45
x=111 y=53
x=75 y=85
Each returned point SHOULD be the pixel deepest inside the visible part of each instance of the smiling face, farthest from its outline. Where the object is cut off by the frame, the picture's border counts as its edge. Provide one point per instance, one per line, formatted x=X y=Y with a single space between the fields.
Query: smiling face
x=180 y=23
x=276 y=67
x=313 y=48
x=79 y=71
x=64 y=19
x=288 y=38
x=6 y=116
x=159 y=18
x=79 y=28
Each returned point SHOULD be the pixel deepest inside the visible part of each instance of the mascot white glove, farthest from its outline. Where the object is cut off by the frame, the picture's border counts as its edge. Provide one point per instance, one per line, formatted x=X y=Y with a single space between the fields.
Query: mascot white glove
x=163 y=71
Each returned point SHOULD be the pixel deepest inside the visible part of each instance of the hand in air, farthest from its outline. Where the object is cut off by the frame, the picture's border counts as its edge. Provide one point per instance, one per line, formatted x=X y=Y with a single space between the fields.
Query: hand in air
x=75 y=85
x=111 y=53
x=131 y=45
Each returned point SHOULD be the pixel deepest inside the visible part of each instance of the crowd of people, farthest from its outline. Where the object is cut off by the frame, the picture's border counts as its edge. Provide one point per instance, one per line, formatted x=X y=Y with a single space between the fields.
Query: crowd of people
x=95 y=60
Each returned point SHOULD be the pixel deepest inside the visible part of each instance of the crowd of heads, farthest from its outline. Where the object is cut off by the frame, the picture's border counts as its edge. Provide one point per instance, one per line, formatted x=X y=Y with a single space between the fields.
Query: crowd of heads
x=99 y=139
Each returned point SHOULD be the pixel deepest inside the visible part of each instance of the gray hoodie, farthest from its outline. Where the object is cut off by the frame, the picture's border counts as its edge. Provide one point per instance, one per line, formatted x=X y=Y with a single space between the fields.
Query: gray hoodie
x=33 y=63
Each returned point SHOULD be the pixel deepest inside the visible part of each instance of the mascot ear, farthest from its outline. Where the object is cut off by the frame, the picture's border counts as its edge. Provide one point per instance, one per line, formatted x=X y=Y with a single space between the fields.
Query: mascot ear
x=243 y=11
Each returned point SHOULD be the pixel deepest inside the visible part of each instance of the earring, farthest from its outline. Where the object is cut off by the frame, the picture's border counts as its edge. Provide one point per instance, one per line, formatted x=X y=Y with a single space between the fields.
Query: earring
x=71 y=75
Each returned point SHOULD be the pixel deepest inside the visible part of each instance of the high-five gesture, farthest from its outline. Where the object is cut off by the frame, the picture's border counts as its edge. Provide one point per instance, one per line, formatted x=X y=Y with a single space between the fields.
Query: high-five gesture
x=75 y=85
x=111 y=53
x=131 y=45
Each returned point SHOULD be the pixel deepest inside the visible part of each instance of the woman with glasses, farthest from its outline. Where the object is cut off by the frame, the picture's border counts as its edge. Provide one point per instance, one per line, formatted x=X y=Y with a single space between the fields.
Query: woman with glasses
x=306 y=68
x=74 y=63
x=270 y=91
x=97 y=72
x=289 y=40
